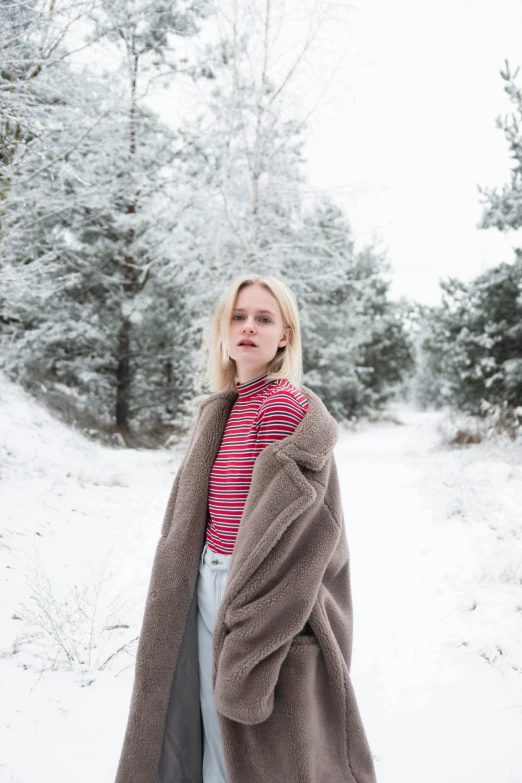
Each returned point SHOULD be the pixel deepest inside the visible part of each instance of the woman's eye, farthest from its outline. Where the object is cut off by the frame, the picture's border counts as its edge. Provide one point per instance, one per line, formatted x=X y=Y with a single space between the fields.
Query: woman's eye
x=263 y=318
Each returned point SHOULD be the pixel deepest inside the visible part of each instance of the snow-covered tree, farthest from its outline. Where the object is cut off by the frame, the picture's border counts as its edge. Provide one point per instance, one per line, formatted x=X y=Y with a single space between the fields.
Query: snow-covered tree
x=356 y=349
x=89 y=221
x=471 y=346
x=473 y=341
x=504 y=210
x=33 y=76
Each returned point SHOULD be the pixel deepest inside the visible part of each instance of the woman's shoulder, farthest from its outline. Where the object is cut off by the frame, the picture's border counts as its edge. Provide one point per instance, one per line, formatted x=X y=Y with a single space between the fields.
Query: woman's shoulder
x=284 y=396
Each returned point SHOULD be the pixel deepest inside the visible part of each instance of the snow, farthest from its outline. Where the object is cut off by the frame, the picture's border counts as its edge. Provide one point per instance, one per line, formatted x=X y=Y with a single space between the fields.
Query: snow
x=436 y=556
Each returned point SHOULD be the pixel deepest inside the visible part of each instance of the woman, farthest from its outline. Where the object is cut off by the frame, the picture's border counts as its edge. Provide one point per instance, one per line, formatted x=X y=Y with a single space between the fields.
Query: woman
x=242 y=670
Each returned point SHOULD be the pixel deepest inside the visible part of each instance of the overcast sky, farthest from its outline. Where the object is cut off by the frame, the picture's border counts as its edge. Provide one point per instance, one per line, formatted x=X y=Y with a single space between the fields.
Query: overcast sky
x=410 y=131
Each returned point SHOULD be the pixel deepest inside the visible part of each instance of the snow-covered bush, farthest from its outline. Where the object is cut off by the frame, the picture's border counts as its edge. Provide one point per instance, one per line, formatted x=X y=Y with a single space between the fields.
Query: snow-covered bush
x=76 y=627
x=495 y=421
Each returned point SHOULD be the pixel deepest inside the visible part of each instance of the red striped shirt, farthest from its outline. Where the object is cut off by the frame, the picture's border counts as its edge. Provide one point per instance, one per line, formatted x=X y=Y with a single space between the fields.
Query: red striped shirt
x=264 y=411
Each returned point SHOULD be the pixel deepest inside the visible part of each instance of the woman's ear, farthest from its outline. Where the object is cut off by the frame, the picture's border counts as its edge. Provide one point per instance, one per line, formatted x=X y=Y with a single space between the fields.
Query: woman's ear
x=286 y=337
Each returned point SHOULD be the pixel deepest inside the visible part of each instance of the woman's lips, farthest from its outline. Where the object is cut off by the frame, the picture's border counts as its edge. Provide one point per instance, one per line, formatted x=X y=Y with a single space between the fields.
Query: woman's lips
x=248 y=346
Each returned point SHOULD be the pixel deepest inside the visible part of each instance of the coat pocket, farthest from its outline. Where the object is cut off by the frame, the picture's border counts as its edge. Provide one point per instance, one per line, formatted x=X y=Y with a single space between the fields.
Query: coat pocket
x=312 y=725
x=306 y=730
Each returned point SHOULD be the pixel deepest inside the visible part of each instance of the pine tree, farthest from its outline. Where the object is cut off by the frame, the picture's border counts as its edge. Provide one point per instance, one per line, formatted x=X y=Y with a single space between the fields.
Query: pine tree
x=357 y=351
x=504 y=210
x=473 y=341
x=87 y=220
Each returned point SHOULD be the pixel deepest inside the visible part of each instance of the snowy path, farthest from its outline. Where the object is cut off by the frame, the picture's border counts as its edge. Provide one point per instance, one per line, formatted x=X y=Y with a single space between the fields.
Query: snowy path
x=439 y=701
x=432 y=534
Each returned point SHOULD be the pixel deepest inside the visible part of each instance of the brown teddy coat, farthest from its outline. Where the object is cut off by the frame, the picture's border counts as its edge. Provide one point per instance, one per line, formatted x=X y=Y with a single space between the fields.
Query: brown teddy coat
x=284 y=697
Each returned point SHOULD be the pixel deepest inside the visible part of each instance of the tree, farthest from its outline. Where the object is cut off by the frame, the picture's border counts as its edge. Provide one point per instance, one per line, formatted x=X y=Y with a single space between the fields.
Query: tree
x=250 y=136
x=473 y=341
x=356 y=350
x=504 y=210
x=141 y=29
x=88 y=219
x=32 y=36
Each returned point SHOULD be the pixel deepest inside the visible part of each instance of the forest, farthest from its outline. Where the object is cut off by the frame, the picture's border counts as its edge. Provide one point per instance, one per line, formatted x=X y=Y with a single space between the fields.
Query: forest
x=119 y=231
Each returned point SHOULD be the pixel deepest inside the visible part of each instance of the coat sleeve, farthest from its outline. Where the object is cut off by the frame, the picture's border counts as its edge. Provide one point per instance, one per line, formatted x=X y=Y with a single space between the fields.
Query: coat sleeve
x=269 y=611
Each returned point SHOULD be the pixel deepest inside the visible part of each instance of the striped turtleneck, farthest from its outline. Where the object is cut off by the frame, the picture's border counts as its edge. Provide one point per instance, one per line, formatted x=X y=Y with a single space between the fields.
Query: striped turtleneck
x=264 y=411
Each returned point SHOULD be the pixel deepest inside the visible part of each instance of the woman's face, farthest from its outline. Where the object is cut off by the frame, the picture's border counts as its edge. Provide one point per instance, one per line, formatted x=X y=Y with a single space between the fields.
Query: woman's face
x=256 y=317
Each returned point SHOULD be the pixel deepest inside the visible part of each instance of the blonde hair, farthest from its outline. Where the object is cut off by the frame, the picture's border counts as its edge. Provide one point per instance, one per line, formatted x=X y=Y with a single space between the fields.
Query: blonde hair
x=287 y=363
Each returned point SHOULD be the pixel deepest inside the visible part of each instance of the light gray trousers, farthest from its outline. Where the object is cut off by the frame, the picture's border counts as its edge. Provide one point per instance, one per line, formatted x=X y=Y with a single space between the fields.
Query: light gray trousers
x=212 y=581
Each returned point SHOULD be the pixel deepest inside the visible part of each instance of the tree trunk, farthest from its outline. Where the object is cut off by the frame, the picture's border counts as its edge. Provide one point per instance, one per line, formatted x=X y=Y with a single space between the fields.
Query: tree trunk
x=124 y=369
x=123 y=382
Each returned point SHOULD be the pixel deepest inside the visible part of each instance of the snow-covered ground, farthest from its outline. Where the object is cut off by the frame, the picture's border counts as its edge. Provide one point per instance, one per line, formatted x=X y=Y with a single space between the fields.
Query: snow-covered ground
x=436 y=546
